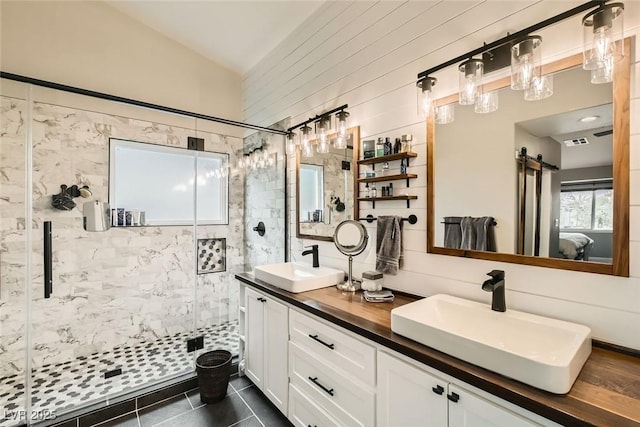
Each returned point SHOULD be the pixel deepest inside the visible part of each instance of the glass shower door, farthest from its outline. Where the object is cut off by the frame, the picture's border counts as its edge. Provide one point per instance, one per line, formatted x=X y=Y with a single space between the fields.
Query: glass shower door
x=13 y=255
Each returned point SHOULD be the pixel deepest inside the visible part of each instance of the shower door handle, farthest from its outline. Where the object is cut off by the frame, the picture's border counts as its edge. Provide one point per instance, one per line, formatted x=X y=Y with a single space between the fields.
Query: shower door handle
x=48 y=281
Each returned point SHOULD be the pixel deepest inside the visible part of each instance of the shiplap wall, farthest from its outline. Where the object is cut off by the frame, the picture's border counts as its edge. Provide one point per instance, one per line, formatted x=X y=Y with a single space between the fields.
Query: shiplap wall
x=367 y=54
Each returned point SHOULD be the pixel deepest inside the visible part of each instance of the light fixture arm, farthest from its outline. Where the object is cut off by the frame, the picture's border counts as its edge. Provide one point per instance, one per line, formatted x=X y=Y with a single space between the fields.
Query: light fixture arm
x=514 y=36
x=319 y=117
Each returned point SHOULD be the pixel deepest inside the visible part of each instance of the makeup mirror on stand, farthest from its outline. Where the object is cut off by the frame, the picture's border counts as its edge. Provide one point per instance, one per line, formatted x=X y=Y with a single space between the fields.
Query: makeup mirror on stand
x=351 y=239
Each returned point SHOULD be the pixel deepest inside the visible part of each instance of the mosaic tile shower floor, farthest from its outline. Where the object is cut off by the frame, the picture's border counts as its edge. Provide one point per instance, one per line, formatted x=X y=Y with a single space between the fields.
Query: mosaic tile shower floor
x=66 y=386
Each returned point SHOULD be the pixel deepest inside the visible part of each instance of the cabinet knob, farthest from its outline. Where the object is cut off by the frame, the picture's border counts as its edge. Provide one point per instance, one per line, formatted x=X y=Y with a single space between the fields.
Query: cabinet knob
x=454 y=397
x=438 y=389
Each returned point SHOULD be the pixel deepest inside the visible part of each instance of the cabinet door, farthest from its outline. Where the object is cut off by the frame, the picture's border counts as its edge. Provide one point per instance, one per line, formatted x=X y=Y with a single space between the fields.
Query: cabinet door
x=255 y=337
x=276 y=337
x=408 y=396
x=468 y=410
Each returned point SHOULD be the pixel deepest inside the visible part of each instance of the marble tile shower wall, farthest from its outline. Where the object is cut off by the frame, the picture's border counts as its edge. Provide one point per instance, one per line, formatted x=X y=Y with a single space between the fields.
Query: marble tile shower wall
x=265 y=201
x=121 y=287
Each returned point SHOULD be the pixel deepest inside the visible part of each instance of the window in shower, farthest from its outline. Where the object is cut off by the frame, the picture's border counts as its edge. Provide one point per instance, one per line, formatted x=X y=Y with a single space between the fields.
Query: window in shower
x=163 y=182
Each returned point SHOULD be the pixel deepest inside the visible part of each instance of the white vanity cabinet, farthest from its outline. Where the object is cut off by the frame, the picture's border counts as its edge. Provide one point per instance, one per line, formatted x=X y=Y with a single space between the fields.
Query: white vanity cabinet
x=411 y=397
x=266 y=337
x=332 y=370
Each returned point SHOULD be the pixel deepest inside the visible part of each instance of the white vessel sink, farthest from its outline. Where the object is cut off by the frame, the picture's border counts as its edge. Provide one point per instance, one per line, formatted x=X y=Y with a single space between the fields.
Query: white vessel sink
x=539 y=351
x=298 y=277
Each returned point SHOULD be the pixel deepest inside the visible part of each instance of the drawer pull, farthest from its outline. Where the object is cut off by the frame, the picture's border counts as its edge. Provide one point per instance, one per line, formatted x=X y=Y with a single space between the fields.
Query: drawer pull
x=454 y=397
x=262 y=299
x=315 y=337
x=315 y=381
x=438 y=389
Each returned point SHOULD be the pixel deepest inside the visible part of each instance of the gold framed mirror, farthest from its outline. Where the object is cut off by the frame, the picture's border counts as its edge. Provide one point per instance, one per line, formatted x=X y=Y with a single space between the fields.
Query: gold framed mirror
x=496 y=186
x=326 y=188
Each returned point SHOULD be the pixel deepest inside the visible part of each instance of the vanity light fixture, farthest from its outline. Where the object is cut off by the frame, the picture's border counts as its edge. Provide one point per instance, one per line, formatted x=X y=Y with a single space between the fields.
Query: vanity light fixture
x=342 y=117
x=322 y=130
x=322 y=123
x=540 y=88
x=526 y=62
x=603 y=46
x=292 y=143
x=425 y=94
x=470 y=72
x=603 y=34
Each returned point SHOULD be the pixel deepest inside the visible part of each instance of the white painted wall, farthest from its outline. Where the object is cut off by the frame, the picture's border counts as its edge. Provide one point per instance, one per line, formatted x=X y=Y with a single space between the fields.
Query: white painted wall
x=93 y=46
x=367 y=54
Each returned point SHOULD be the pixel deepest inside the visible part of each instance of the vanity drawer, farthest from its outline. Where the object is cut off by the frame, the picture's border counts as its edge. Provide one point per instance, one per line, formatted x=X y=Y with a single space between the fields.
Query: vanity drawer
x=304 y=413
x=349 y=402
x=334 y=347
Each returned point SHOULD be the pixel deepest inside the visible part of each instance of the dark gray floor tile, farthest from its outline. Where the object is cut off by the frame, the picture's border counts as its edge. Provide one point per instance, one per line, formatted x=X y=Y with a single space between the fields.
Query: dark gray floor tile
x=194 y=395
x=263 y=408
x=240 y=382
x=228 y=411
x=161 y=411
x=156 y=396
x=107 y=413
x=129 y=420
x=249 y=422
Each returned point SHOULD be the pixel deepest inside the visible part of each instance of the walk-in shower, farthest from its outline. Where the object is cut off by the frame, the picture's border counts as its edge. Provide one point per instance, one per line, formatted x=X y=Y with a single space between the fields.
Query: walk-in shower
x=122 y=305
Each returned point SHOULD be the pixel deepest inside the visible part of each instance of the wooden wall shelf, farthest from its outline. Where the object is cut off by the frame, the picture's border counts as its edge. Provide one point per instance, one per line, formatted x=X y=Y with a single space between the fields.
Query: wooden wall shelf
x=381 y=199
x=389 y=158
x=395 y=177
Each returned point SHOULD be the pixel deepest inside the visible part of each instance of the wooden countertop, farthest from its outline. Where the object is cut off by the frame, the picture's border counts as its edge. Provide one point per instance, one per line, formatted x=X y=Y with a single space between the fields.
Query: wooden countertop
x=606 y=393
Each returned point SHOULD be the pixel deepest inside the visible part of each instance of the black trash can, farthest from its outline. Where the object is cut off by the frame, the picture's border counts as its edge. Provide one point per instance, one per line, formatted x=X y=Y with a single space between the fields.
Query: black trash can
x=213 y=369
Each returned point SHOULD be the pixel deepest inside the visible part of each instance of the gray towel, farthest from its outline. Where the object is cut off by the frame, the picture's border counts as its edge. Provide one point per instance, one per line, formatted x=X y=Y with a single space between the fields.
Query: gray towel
x=478 y=234
x=452 y=232
x=388 y=244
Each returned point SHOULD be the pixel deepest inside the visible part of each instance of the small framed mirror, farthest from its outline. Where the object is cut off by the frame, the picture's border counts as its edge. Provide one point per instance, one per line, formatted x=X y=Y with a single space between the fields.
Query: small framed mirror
x=351 y=239
x=326 y=188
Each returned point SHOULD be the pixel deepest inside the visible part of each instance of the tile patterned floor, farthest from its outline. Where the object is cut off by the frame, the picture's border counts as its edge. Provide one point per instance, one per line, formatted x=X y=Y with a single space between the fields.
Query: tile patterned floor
x=244 y=406
x=75 y=383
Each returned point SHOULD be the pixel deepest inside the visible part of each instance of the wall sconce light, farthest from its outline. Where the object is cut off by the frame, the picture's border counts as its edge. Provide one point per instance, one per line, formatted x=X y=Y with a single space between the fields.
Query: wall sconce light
x=322 y=130
x=425 y=95
x=486 y=102
x=322 y=124
x=540 y=88
x=342 y=118
x=470 y=72
x=526 y=62
x=292 y=143
x=603 y=33
x=603 y=46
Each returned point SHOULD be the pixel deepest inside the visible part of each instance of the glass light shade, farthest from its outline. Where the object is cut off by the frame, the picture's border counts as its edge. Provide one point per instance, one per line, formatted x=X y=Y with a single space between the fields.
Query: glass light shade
x=307 y=150
x=342 y=119
x=603 y=74
x=322 y=147
x=486 y=102
x=603 y=36
x=540 y=88
x=305 y=135
x=292 y=145
x=322 y=130
x=471 y=72
x=425 y=95
x=445 y=114
x=341 y=142
x=526 y=62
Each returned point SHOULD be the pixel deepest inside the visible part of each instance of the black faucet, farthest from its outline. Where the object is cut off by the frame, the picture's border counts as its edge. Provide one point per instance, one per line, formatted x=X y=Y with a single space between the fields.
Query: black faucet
x=496 y=286
x=314 y=251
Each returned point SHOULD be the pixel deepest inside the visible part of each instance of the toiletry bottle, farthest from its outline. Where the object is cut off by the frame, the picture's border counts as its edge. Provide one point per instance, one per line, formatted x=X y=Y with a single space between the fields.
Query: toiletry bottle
x=388 y=148
x=398 y=146
x=374 y=192
x=367 y=192
x=390 y=190
x=403 y=167
x=384 y=191
x=380 y=147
